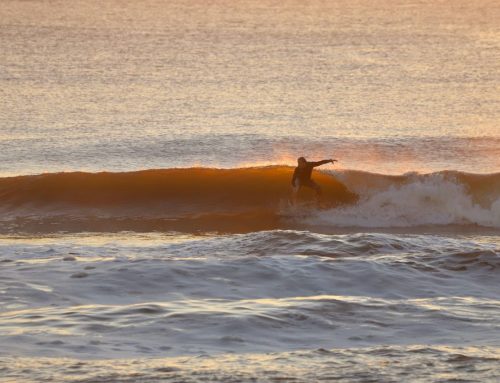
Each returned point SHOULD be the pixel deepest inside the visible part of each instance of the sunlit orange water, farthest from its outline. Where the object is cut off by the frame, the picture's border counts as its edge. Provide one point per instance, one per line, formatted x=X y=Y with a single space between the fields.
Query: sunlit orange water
x=244 y=200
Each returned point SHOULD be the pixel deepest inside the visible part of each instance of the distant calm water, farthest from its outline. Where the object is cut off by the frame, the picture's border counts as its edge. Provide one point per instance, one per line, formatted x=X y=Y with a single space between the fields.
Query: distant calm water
x=208 y=274
x=386 y=86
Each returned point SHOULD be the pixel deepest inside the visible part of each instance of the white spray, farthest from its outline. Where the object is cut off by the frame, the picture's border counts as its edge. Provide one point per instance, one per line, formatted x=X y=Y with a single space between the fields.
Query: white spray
x=430 y=200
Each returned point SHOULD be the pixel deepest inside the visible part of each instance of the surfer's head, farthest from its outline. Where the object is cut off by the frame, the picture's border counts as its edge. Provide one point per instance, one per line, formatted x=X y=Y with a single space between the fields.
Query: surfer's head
x=301 y=161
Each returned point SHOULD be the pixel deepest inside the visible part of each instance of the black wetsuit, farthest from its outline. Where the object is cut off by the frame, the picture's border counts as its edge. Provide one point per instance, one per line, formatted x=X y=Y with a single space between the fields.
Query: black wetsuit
x=302 y=175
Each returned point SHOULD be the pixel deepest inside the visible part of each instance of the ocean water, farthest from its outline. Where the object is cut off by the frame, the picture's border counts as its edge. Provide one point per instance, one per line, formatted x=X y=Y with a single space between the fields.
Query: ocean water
x=146 y=152
x=385 y=86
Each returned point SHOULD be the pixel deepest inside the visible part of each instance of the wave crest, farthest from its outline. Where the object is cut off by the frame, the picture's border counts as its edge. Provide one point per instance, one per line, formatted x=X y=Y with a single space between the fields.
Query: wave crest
x=243 y=200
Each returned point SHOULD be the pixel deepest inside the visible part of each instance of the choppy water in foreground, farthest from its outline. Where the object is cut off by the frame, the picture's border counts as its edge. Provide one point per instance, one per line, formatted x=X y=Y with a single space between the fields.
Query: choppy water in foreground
x=267 y=306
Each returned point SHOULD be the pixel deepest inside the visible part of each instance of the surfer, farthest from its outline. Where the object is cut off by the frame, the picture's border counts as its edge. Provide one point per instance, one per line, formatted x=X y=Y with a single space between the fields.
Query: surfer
x=302 y=176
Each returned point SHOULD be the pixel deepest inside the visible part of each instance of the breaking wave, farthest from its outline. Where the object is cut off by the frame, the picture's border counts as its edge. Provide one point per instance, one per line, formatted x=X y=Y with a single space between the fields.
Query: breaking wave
x=244 y=200
x=444 y=198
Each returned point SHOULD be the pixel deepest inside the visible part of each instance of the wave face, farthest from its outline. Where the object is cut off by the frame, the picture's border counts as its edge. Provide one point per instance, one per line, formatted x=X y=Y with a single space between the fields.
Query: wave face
x=244 y=199
x=189 y=199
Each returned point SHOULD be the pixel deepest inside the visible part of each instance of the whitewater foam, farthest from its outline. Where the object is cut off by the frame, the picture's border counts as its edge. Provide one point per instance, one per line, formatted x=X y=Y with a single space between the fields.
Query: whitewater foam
x=432 y=199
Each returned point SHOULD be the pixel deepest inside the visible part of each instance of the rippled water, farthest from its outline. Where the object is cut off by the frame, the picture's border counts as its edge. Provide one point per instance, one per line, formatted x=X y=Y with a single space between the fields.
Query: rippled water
x=356 y=364
x=387 y=86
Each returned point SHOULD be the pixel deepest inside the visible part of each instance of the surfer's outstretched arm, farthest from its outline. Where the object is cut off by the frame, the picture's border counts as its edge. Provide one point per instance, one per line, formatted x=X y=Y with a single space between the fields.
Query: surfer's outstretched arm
x=319 y=163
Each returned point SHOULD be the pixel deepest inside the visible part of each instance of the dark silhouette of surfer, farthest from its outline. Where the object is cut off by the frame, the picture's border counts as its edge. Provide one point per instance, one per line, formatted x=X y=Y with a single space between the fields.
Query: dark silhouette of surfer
x=302 y=176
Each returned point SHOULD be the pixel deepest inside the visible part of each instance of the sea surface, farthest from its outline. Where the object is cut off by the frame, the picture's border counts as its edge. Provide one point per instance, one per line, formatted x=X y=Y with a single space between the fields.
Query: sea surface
x=146 y=227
